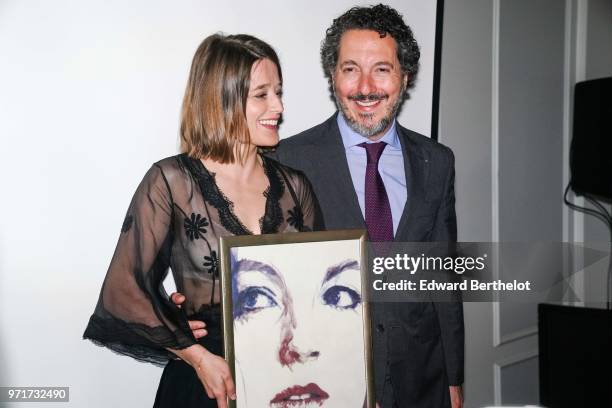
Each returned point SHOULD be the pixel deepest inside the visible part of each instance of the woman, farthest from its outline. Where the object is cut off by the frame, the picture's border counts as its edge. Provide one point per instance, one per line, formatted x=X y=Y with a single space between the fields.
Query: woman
x=313 y=306
x=219 y=186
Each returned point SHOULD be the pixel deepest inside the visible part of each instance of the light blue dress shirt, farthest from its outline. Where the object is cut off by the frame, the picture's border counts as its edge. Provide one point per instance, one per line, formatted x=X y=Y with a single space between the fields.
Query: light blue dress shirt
x=390 y=167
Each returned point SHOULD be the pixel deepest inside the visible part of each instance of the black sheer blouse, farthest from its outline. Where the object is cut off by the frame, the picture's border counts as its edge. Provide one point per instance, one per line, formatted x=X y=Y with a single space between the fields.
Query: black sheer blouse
x=173 y=223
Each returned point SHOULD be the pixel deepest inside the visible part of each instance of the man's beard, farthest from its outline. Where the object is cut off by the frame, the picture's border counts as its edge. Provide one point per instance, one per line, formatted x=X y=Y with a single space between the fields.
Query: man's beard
x=375 y=128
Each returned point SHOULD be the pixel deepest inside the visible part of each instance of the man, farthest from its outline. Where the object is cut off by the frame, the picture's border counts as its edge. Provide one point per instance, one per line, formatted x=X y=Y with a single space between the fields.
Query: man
x=370 y=58
x=367 y=169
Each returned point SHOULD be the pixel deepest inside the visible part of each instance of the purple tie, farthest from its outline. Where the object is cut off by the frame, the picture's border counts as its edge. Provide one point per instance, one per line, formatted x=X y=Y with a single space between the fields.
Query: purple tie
x=377 y=209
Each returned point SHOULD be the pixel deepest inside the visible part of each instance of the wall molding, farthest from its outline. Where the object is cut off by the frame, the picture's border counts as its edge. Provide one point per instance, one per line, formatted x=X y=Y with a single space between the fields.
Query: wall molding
x=495 y=159
x=507 y=362
x=574 y=70
x=495 y=124
x=579 y=55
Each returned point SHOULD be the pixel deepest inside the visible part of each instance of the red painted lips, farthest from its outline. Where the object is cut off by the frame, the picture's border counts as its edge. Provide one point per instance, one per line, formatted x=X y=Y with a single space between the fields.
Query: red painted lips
x=298 y=395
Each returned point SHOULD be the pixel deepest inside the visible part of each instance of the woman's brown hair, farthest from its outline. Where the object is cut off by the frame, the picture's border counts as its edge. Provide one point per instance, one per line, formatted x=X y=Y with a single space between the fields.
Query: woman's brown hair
x=213 y=117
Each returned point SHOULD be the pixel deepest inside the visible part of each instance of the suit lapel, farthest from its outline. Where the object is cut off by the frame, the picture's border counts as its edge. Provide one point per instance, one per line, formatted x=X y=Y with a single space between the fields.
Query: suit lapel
x=416 y=167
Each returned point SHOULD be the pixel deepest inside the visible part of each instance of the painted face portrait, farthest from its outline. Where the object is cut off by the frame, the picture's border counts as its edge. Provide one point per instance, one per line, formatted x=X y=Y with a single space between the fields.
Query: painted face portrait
x=298 y=325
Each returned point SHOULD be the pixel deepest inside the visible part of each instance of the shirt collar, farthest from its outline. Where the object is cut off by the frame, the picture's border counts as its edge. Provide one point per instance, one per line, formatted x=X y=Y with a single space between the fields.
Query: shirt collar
x=351 y=138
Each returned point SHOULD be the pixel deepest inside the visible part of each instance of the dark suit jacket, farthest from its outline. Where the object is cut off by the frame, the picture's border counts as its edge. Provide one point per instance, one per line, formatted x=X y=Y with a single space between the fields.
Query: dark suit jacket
x=419 y=345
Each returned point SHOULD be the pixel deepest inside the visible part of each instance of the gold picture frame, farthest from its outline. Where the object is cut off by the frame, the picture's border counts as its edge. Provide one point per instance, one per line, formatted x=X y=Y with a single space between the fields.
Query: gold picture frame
x=275 y=311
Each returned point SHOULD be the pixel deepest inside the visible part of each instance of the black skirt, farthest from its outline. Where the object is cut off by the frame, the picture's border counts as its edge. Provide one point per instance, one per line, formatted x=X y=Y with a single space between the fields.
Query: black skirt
x=179 y=386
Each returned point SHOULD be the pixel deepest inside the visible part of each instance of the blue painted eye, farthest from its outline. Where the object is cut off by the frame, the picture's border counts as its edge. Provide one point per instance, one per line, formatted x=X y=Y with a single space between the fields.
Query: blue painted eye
x=341 y=297
x=253 y=299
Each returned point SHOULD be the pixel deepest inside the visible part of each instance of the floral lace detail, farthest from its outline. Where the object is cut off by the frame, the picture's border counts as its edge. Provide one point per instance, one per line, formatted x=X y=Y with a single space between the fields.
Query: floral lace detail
x=296 y=219
x=212 y=263
x=195 y=226
x=273 y=215
x=211 y=193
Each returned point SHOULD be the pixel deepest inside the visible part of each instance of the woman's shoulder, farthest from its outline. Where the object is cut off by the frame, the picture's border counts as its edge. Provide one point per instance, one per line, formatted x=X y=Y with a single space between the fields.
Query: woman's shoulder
x=170 y=164
x=172 y=170
x=179 y=165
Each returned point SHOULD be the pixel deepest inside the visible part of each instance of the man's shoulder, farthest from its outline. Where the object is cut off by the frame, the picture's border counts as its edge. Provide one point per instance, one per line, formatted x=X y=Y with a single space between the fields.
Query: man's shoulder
x=429 y=146
x=286 y=170
x=296 y=151
x=312 y=135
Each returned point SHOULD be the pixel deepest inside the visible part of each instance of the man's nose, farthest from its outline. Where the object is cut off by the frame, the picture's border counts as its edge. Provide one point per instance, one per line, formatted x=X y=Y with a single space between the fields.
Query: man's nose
x=366 y=84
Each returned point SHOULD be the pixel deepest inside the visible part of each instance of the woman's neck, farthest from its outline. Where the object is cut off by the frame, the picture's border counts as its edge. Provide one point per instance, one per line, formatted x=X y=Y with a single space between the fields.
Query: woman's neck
x=240 y=171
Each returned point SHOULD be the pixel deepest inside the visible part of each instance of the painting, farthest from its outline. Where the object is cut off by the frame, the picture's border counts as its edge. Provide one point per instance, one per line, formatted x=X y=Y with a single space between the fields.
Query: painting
x=296 y=320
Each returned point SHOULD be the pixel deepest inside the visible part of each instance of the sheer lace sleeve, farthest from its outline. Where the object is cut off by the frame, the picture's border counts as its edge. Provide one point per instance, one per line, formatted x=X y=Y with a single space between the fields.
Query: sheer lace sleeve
x=306 y=215
x=313 y=216
x=133 y=315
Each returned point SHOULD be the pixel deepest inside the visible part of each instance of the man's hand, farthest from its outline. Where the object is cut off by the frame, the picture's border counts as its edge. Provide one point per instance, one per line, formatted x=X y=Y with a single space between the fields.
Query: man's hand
x=456 y=396
x=197 y=326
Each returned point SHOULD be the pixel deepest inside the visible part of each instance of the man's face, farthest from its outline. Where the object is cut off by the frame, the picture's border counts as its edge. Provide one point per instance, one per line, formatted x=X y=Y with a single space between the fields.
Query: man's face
x=368 y=82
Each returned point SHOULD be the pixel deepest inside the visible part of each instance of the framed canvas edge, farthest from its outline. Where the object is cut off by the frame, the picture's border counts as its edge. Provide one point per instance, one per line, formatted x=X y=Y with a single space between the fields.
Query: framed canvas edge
x=437 y=72
x=229 y=242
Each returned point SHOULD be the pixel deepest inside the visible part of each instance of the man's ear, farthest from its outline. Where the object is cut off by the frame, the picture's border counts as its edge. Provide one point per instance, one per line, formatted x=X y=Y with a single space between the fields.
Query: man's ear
x=405 y=80
x=332 y=77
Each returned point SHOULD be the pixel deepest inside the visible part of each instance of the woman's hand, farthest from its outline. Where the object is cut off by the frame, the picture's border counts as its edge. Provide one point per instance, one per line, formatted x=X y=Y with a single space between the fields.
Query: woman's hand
x=213 y=372
x=198 y=327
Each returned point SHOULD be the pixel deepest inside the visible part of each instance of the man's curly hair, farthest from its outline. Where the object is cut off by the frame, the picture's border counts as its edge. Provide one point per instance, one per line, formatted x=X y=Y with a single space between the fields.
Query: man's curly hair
x=381 y=18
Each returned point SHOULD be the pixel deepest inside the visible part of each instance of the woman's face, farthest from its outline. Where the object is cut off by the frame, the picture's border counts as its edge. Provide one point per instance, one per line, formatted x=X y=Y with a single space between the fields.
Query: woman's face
x=264 y=103
x=310 y=302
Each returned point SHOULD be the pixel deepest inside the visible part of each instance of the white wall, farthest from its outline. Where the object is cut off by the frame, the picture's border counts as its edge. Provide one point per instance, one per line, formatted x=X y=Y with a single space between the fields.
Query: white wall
x=89 y=97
